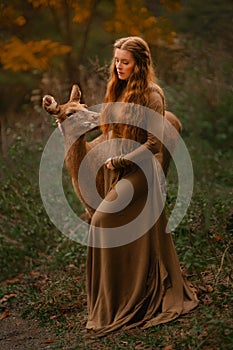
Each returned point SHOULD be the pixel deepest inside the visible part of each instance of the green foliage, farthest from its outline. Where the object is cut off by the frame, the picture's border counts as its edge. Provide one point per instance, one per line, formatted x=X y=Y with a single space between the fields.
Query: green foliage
x=27 y=233
x=210 y=20
x=23 y=220
x=202 y=99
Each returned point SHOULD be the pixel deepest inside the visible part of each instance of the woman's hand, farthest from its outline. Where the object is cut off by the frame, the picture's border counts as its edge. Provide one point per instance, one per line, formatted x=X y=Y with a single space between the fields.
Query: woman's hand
x=109 y=165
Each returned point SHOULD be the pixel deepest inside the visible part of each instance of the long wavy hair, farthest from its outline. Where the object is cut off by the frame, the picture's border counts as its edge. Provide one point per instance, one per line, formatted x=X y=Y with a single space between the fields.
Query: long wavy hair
x=136 y=89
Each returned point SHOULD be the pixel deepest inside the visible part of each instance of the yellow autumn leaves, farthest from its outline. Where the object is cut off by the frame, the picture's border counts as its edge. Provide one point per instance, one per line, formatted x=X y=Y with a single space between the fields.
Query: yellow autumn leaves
x=17 y=55
x=72 y=19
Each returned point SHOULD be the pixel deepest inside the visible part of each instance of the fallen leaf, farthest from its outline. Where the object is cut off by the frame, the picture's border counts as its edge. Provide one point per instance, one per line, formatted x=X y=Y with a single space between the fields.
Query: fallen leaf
x=53 y=317
x=14 y=279
x=139 y=347
x=169 y=347
x=124 y=342
x=71 y=266
x=207 y=300
x=217 y=238
x=209 y=288
x=4 y=314
x=7 y=296
x=202 y=288
x=48 y=341
x=34 y=273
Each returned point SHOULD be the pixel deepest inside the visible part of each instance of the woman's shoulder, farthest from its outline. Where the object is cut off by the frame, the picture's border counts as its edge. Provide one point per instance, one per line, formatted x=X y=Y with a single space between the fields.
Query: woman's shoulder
x=156 y=98
x=155 y=88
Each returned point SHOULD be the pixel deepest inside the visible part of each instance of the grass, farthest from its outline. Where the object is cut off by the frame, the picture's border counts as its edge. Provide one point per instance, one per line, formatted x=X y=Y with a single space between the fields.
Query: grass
x=47 y=271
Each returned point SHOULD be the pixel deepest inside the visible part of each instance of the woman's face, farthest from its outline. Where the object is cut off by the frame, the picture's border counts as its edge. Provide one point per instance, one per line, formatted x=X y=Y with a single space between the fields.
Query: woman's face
x=124 y=63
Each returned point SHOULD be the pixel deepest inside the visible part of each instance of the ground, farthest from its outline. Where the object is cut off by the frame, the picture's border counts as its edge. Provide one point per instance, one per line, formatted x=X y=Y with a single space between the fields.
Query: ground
x=41 y=311
x=21 y=334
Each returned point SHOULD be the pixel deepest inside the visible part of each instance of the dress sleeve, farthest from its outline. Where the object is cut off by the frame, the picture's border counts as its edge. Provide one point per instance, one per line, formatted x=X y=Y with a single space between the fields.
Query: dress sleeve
x=153 y=143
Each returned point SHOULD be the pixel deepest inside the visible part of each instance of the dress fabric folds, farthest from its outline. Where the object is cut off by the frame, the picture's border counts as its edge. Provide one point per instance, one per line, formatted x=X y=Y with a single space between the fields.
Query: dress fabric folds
x=138 y=282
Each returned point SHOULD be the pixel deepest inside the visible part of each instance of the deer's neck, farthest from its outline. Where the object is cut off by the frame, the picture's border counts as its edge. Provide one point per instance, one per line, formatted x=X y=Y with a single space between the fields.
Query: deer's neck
x=75 y=154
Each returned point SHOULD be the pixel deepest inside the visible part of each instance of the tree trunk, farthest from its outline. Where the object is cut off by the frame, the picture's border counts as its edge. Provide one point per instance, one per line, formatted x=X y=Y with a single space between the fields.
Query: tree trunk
x=3 y=136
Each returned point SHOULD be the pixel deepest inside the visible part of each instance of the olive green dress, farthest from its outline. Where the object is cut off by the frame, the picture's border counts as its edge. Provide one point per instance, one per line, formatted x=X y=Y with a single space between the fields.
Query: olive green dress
x=134 y=277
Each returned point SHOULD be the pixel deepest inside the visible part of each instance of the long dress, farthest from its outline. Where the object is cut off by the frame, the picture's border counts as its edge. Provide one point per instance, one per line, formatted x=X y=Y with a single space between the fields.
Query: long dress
x=137 y=281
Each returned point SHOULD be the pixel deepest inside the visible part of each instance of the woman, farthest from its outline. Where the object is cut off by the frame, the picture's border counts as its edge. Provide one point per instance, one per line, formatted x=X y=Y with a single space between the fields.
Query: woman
x=133 y=277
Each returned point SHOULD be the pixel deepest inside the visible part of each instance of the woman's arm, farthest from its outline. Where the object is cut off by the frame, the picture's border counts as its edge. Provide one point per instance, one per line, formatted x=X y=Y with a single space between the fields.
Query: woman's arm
x=153 y=143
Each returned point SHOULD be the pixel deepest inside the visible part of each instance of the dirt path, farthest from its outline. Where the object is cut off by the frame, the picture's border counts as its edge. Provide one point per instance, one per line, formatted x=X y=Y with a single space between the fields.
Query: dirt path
x=22 y=334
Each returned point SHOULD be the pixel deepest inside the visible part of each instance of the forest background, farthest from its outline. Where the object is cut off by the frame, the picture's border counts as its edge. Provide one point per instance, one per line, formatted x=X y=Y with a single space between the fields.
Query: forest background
x=46 y=46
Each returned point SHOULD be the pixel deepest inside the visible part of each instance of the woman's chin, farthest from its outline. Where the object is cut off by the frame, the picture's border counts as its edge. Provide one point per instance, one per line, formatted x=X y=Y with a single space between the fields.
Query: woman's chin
x=121 y=77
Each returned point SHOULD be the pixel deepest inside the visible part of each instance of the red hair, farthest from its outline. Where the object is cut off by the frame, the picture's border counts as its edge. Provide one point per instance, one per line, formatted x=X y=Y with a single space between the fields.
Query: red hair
x=136 y=89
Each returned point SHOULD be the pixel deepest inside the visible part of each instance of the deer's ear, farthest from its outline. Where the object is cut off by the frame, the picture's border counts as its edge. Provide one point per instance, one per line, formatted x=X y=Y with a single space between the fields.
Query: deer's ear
x=75 y=94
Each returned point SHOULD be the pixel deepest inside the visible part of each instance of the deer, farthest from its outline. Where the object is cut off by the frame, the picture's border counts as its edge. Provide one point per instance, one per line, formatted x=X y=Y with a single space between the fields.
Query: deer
x=81 y=121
